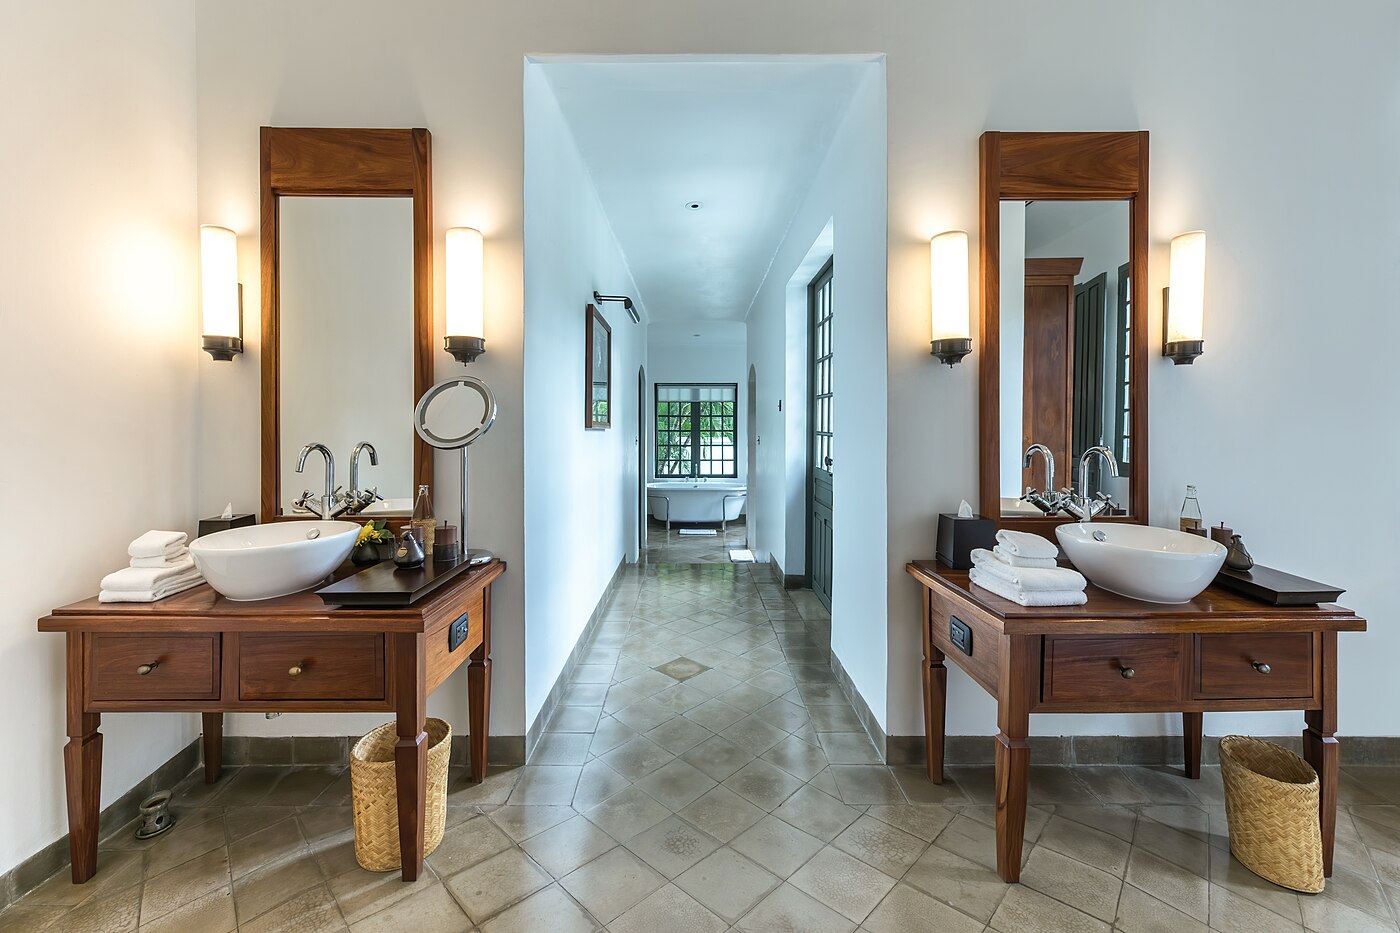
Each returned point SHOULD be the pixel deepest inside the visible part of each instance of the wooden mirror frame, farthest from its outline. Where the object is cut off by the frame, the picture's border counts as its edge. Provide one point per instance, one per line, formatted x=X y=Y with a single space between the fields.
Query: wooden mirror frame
x=343 y=163
x=1059 y=167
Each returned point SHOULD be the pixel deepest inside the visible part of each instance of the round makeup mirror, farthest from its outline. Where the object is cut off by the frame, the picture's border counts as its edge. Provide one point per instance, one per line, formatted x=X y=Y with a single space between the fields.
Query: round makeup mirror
x=453 y=415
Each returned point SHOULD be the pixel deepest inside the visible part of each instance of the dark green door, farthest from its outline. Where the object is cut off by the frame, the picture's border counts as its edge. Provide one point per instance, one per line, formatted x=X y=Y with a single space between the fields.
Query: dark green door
x=819 y=459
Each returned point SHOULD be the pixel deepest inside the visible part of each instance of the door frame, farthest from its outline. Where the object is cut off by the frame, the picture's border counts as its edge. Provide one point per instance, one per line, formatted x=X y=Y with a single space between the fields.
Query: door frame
x=643 y=443
x=825 y=273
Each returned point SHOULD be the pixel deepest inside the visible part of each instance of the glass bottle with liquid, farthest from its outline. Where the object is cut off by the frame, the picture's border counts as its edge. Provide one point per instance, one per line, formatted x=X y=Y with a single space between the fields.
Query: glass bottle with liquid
x=422 y=521
x=1191 y=520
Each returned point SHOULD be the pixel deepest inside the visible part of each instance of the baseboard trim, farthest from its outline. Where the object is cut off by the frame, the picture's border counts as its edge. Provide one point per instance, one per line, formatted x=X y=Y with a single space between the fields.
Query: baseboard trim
x=243 y=750
x=1146 y=750
x=862 y=709
x=561 y=683
x=39 y=867
x=791 y=581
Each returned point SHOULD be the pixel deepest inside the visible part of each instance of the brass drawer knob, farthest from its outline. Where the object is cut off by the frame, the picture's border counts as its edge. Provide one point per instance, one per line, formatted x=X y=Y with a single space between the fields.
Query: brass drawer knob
x=294 y=670
x=1260 y=666
x=1127 y=672
x=145 y=669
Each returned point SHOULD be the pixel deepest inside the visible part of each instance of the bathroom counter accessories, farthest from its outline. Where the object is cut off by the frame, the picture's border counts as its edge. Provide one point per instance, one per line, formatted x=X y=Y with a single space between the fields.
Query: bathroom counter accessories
x=198 y=651
x=1218 y=652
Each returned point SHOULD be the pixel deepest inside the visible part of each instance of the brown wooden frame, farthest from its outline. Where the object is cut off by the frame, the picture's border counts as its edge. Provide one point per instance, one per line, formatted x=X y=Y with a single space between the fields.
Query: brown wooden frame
x=1058 y=167
x=344 y=163
x=592 y=314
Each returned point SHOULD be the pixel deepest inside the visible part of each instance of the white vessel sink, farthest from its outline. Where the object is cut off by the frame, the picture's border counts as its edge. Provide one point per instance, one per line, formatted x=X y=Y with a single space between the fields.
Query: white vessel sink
x=262 y=561
x=1153 y=564
x=384 y=508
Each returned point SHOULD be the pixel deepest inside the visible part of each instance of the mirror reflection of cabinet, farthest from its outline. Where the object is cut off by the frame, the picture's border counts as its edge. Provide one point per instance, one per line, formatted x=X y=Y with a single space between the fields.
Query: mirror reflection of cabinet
x=347 y=315
x=1064 y=220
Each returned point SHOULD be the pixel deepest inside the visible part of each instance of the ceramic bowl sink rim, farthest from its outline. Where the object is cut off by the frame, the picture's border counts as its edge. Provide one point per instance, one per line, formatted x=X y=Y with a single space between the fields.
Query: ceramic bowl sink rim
x=1170 y=544
x=214 y=542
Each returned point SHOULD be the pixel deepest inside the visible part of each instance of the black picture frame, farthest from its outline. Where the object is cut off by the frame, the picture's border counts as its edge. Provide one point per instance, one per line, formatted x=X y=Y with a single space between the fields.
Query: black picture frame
x=597 y=371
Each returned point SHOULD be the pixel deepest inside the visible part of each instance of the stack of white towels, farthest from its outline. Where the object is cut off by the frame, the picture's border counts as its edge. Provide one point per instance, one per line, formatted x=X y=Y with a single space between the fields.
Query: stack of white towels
x=1022 y=568
x=161 y=566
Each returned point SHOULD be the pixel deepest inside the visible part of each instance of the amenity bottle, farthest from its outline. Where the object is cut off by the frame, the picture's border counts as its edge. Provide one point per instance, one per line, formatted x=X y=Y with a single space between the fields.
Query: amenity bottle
x=1191 y=520
x=422 y=521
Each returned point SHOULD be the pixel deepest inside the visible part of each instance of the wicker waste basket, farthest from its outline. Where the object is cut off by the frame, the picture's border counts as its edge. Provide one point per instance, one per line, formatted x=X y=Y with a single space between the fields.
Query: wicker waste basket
x=376 y=800
x=1271 y=803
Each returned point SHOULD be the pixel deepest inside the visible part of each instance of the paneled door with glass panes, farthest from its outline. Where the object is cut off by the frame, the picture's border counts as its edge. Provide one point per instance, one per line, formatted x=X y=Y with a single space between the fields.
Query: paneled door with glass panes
x=820 y=460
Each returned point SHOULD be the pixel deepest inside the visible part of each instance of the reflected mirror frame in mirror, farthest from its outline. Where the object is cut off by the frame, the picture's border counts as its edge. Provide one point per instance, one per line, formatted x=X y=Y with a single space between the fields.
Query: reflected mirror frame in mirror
x=1058 y=167
x=335 y=162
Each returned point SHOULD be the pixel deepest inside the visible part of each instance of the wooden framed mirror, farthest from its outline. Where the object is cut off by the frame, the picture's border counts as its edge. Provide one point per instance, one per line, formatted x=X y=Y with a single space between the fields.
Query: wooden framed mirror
x=347 y=311
x=1063 y=324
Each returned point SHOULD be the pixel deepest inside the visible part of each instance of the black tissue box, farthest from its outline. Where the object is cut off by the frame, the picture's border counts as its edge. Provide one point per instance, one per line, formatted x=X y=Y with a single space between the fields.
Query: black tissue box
x=959 y=537
x=207 y=526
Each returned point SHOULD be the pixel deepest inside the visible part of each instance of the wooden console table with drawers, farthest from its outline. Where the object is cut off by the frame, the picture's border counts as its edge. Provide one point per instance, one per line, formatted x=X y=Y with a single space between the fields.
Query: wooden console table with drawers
x=1219 y=652
x=198 y=651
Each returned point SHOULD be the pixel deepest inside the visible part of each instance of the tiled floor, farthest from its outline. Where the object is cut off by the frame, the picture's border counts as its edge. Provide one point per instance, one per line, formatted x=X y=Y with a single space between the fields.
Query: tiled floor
x=672 y=547
x=705 y=773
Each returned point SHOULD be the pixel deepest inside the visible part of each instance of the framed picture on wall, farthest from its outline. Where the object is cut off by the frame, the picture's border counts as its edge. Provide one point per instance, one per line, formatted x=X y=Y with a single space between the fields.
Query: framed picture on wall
x=598 y=371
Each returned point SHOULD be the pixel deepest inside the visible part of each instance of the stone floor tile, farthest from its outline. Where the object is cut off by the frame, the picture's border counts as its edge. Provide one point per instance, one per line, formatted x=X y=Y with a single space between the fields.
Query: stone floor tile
x=160 y=894
x=1169 y=882
x=1026 y=911
x=624 y=815
x=489 y=887
x=727 y=883
x=722 y=813
x=848 y=748
x=312 y=911
x=596 y=783
x=908 y=910
x=466 y=844
x=636 y=758
x=787 y=908
x=679 y=735
x=863 y=785
x=668 y=908
x=672 y=846
x=1071 y=882
x=816 y=813
x=779 y=847
x=212 y=913
x=259 y=891
x=612 y=883
x=676 y=784
x=549 y=909
x=363 y=893
x=1086 y=844
x=545 y=785
x=425 y=910
x=522 y=822
x=800 y=759
x=925 y=821
x=718 y=757
x=562 y=848
x=762 y=784
x=755 y=734
x=880 y=845
x=562 y=748
x=845 y=884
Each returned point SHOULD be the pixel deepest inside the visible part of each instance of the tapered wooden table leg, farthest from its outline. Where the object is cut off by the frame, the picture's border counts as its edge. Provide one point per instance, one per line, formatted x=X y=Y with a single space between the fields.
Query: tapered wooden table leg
x=1192 y=729
x=1013 y=753
x=213 y=743
x=1320 y=748
x=479 y=695
x=935 y=698
x=411 y=750
x=82 y=769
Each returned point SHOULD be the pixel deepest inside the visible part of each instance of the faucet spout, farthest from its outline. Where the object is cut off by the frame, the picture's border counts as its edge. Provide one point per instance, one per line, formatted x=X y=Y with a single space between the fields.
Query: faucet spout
x=1087 y=507
x=1049 y=463
x=327 y=506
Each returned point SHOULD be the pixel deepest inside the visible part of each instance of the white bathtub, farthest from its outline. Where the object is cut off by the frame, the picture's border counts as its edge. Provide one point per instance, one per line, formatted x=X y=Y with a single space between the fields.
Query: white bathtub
x=696 y=500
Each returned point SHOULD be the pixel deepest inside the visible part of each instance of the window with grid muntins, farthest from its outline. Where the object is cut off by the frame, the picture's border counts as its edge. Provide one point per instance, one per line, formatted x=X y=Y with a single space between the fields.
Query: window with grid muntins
x=697 y=429
x=821 y=370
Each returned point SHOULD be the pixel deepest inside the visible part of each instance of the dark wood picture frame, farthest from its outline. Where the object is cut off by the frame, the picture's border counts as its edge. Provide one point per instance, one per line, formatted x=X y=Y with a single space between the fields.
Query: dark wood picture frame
x=344 y=163
x=1058 y=167
x=594 y=418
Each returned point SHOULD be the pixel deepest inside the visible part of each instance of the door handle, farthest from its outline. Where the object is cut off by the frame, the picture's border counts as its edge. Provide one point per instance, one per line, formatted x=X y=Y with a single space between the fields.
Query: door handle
x=828 y=461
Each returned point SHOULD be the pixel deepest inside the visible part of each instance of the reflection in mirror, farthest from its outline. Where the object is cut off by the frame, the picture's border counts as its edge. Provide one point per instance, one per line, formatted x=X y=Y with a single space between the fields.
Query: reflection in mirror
x=346 y=340
x=1065 y=348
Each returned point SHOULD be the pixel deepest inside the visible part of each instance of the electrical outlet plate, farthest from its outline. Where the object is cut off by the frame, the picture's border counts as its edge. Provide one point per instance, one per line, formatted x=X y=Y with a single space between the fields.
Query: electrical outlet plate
x=457 y=631
x=960 y=634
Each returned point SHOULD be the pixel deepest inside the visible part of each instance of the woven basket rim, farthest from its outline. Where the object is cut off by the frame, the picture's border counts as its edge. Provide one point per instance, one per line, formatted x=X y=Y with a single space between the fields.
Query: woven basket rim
x=376 y=746
x=1267 y=761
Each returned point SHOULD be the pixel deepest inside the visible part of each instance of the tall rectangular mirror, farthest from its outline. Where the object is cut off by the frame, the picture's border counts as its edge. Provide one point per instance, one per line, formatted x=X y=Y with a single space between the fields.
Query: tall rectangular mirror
x=347 y=318
x=1063 y=327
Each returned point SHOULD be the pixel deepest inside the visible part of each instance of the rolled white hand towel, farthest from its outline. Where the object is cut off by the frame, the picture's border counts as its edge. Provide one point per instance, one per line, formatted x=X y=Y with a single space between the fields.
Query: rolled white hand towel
x=176 y=557
x=1025 y=544
x=1022 y=597
x=1028 y=578
x=169 y=588
x=140 y=579
x=158 y=544
x=1045 y=563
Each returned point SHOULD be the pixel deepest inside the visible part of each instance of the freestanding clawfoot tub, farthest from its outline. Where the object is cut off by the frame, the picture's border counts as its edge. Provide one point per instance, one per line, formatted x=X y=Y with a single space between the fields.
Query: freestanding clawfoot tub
x=720 y=501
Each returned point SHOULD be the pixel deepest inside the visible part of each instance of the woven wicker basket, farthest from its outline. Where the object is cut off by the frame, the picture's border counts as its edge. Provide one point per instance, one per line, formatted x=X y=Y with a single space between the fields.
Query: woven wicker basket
x=1271 y=803
x=376 y=799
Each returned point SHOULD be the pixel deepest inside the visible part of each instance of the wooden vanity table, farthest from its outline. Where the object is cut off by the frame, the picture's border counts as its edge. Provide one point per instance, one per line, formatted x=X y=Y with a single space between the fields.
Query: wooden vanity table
x=1219 y=652
x=200 y=651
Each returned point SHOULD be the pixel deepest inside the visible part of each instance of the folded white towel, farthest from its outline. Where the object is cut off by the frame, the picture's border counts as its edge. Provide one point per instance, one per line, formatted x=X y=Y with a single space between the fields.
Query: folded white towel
x=1024 y=597
x=168 y=588
x=1045 y=563
x=141 y=579
x=1025 y=544
x=176 y=557
x=1028 y=578
x=158 y=544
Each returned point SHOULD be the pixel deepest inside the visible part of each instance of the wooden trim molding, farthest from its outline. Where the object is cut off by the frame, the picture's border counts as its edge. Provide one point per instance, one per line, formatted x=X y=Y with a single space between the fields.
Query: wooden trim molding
x=331 y=163
x=1058 y=167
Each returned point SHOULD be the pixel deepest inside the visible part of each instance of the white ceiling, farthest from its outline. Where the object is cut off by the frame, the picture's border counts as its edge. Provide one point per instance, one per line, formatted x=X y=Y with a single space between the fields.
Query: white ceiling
x=744 y=138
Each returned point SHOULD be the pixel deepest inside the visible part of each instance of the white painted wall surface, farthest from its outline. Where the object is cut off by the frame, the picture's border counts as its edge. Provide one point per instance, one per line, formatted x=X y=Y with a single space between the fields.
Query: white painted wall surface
x=100 y=334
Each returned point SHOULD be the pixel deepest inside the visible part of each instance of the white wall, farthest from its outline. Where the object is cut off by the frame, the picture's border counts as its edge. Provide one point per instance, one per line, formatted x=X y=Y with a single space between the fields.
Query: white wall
x=98 y=256
x=674 y=354
x=580 y=485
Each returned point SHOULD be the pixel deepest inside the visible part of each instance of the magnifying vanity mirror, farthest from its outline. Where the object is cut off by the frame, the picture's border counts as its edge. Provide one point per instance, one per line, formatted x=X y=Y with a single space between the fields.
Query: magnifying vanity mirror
x=1063 y=327
x=346 y=320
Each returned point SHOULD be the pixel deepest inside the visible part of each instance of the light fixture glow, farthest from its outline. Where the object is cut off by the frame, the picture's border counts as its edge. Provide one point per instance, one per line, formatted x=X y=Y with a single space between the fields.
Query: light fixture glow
x=219 y=292
x=948 y=303
x=1183 y=311
x=466 y=295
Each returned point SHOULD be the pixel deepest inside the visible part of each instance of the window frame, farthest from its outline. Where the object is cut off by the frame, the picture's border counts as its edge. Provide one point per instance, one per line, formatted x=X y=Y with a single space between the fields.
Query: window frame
x=695 y=459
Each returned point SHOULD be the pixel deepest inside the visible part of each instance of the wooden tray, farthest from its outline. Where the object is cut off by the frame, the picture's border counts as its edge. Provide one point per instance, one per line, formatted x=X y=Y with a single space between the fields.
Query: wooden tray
x=384 y=585
x=1276 y=587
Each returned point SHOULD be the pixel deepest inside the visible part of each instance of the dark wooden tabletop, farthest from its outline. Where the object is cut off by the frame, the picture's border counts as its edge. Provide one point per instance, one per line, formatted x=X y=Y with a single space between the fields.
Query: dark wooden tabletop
x=1216 y=609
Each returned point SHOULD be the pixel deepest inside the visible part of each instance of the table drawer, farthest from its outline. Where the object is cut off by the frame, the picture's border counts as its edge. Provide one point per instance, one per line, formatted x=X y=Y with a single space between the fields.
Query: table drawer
x=1254 y=666
x=153 y=667
x=1094 y=669
x=311 y=667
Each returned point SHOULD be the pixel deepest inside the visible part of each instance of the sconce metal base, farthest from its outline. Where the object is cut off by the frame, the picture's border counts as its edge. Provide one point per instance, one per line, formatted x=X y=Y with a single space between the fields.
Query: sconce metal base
x=223 y=348
x=465 y=349
x=1183 y=351
x=952 y=349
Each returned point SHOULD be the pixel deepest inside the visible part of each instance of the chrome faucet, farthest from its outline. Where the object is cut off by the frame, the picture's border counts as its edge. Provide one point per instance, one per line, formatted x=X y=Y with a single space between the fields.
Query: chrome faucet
x=1049 y=500
x=1081 y=505
x=330 y=504
x=357 y=498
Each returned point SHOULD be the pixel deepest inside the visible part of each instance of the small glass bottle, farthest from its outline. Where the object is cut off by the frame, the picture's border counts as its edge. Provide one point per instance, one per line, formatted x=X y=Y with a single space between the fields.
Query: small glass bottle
x=1191 y=513
x=422 y=521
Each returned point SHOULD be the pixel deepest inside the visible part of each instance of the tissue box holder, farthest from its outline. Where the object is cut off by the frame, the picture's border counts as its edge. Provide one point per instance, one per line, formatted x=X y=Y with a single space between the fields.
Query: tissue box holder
x=959 y=537
x=207 y=526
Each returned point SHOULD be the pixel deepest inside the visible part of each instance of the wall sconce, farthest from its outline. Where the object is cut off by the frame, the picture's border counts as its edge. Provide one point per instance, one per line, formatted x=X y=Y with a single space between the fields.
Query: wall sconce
x=220 y=295
x=948 y=305
x=632 y=311
x=466 y=295
x=1183 y=316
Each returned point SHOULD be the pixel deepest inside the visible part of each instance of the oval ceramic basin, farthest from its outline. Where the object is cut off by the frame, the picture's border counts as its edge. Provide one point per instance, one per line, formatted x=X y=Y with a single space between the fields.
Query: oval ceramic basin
x=389 y=507
x=1153 y=564
x=263 y=561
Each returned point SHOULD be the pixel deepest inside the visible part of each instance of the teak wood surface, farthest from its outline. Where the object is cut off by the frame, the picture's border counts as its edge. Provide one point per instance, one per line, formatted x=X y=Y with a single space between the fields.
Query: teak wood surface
x=1058 y=167
x=1219 y=652
x=198 y=651
x=342 y=163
